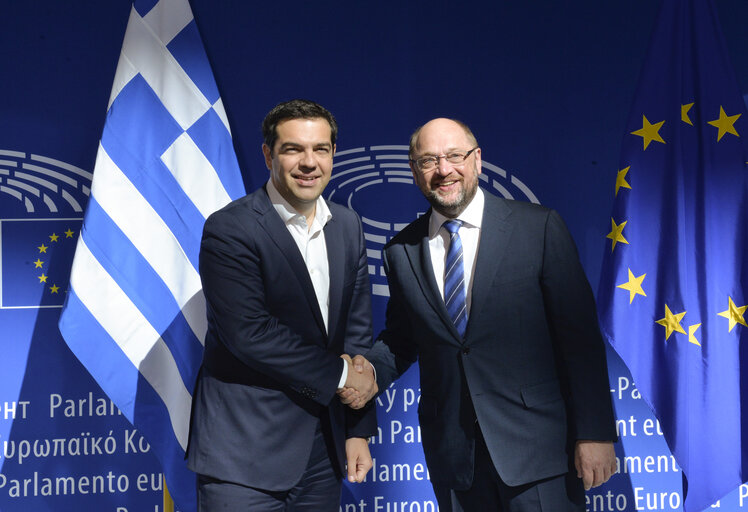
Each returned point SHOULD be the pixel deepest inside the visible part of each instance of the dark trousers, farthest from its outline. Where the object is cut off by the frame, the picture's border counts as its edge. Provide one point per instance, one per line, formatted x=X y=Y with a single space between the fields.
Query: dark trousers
x=489 y=493
x=317 y=491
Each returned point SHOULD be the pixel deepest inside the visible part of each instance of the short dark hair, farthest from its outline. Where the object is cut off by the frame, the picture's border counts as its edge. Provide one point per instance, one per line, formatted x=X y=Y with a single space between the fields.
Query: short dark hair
x=414 y=137
x=295 y=109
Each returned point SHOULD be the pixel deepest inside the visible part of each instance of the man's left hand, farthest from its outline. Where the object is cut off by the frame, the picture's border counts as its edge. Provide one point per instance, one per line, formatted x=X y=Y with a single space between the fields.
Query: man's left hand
x=595 y=462
x=359 y=458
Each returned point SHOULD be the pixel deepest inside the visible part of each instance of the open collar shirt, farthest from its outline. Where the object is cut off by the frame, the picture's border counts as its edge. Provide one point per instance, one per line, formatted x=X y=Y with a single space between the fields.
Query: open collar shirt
x=311 y=243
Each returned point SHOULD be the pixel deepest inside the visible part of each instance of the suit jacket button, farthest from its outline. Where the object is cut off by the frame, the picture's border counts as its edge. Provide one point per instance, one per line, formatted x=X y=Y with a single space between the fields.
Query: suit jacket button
x=466 y=350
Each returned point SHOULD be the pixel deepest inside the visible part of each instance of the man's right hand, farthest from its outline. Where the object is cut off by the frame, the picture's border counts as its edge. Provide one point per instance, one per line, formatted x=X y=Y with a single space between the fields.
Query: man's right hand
x=360 y=385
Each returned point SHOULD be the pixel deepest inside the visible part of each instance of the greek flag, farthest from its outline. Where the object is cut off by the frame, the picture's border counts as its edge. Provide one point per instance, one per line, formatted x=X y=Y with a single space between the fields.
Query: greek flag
x=134 y=313
x=673 y=293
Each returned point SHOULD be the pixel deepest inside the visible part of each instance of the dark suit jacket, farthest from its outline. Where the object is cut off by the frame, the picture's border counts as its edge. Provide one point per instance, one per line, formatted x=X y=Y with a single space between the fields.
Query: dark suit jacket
x=531 y=368
x=270 y=370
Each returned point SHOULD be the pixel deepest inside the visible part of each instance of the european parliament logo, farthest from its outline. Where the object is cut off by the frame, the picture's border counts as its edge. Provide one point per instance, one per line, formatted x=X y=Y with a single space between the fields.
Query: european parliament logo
x=366 y=177
x=41 y=208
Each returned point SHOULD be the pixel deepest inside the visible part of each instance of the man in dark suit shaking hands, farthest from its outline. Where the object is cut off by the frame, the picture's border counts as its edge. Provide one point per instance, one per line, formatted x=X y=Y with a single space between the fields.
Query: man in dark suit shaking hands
x=490 y=298
x=286 y=285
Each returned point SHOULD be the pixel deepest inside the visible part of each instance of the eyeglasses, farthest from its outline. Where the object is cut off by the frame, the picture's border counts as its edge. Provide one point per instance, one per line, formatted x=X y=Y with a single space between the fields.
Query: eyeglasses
x=428 y=163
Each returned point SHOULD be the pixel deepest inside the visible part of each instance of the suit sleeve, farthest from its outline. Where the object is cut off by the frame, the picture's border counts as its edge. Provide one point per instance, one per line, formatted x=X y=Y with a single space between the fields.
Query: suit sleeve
x=231 y=273
x=358 y=339
x=580 y=350
x=395 y=349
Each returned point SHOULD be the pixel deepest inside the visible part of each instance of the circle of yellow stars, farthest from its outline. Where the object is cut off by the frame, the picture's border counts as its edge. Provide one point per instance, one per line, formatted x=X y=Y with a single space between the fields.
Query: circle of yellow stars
x=39 y=263
x=650 y=132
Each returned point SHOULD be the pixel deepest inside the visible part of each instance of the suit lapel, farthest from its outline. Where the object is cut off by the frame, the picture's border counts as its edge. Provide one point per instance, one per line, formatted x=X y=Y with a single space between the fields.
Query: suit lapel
x=277 y=231
x=420 y=261
x=494 y=240
x=336 y=262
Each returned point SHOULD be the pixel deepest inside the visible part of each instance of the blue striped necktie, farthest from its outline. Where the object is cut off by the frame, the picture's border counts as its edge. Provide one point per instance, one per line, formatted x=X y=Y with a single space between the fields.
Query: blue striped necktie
x=454 y=278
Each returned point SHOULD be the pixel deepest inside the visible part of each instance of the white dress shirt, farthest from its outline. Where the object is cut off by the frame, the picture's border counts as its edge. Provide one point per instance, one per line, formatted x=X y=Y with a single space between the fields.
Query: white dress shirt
x=472 y=218
x=311 y=243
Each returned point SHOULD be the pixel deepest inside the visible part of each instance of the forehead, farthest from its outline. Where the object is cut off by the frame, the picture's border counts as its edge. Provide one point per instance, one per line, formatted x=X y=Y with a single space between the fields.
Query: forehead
x=304 y=131
x=441 y=135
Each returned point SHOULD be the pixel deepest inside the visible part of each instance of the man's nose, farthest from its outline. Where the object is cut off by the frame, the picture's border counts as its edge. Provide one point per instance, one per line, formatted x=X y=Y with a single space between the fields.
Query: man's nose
x=443 y=167
x=307 y=160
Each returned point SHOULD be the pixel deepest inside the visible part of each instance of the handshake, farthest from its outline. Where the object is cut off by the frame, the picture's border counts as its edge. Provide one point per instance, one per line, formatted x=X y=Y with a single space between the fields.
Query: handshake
x=360 y=385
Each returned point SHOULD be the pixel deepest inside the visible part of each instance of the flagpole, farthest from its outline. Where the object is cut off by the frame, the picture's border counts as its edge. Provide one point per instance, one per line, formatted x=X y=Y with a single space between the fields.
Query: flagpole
x=168 y=502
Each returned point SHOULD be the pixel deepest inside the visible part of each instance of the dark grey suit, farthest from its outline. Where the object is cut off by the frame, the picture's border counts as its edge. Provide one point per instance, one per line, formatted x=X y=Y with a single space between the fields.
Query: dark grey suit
x=531 y=367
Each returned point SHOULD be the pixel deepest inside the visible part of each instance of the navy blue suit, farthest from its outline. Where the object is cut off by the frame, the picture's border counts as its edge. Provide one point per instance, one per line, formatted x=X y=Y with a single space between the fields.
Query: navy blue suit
x=531 y=367
x=270 y=370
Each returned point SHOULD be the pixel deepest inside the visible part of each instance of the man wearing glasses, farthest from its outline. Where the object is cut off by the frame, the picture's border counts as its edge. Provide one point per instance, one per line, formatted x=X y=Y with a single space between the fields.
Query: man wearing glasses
x=490 y=298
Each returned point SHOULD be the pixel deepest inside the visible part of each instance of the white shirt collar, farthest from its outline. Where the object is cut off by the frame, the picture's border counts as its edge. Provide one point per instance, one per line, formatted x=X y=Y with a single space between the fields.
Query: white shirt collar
x=472 y=216
x=289 y=214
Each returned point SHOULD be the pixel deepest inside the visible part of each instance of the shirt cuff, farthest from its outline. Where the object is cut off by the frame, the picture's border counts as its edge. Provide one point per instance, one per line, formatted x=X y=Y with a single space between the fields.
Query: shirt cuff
x=344 y=376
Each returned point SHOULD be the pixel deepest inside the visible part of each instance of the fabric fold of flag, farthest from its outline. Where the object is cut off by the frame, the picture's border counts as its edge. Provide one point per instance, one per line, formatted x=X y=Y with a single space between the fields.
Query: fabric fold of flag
x=673 y=291
x=134 y=313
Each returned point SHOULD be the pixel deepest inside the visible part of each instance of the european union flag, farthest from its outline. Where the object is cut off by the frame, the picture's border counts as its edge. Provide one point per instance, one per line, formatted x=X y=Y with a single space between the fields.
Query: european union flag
x=135 y=313
x=673 y=290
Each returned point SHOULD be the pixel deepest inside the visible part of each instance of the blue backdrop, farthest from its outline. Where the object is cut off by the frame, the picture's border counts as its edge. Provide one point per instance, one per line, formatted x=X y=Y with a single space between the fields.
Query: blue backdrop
x=545 y=86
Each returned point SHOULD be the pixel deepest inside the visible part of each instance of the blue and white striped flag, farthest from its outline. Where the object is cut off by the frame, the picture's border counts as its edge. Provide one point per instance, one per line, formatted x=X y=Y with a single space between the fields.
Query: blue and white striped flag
x=135 y=313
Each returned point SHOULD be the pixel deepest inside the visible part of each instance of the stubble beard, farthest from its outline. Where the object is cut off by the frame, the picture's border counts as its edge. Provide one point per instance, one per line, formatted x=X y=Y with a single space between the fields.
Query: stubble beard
x=456 y=207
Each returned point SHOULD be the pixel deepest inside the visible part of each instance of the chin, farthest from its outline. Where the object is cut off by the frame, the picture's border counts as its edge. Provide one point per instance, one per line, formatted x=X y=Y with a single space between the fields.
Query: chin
x=305 y=191
x=450 y=204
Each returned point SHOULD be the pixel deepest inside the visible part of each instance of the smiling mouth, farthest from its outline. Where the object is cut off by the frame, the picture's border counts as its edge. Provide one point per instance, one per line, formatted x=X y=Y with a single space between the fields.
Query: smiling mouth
x=446 y=184
x=307 y=179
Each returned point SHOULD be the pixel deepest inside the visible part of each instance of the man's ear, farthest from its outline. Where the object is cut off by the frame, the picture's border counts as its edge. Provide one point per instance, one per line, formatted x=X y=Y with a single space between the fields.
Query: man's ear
x=268 y=156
